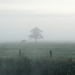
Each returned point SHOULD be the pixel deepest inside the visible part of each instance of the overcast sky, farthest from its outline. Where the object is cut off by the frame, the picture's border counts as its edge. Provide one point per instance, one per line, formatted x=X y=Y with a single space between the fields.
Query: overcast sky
x=56 y=18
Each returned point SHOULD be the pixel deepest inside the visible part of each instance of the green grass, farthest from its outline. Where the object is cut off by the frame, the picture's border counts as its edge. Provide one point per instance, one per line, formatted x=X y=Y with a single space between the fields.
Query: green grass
x=59 y=50
x=40 y=66
x=36 y=59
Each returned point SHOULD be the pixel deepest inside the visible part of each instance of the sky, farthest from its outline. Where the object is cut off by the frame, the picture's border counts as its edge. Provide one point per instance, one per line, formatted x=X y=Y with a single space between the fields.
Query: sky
x=56 y=18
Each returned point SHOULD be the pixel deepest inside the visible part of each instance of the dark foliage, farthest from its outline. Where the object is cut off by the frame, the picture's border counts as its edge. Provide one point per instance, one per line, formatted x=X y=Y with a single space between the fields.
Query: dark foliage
x=26 y=66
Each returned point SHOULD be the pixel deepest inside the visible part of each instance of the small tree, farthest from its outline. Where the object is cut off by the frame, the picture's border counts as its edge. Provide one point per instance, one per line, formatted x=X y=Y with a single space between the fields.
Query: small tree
x=36 y=34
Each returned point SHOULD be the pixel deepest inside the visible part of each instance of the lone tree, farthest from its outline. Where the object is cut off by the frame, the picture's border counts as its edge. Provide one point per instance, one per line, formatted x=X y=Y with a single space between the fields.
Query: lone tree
x=36 y=34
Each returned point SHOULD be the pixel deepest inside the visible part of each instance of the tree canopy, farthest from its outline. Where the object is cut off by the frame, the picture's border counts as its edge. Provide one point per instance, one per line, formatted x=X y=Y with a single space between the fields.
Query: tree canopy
x=36 y=34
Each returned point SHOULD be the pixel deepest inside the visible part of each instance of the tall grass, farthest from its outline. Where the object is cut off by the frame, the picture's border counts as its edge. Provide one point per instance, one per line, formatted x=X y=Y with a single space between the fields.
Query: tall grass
x=38 y=66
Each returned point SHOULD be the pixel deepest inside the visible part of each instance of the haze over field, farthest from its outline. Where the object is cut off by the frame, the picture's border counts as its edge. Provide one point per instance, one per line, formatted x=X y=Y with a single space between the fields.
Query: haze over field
x=56 y=18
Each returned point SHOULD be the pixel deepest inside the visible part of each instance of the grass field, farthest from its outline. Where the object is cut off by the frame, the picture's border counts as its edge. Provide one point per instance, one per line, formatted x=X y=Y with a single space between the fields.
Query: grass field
x=59 y=50
x=36 y=60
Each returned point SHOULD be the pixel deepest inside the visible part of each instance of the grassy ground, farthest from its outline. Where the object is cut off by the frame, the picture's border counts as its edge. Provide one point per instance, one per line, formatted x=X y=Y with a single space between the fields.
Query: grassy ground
x=40 y=66
x=59 y=50
x=36 y=59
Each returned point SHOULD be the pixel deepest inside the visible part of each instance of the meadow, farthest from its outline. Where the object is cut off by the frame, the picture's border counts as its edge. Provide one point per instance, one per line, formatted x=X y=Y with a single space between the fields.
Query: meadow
x=59 y=50
x=35 y=59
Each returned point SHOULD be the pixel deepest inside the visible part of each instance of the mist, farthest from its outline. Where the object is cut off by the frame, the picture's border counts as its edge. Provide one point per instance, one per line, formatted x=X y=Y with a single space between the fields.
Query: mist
x=55 y=18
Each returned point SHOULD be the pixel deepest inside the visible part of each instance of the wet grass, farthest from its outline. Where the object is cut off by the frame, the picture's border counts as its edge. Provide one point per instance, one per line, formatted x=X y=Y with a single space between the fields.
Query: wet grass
x=39 y=49
x=38 y=66
x=35 y=59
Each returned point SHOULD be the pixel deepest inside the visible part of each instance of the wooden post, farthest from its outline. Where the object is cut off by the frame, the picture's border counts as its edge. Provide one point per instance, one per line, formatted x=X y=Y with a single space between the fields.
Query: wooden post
x=50 y=54
x=20 y=52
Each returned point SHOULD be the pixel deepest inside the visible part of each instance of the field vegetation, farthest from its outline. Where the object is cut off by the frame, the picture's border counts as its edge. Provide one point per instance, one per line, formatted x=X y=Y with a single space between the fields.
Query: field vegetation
x=35 y=59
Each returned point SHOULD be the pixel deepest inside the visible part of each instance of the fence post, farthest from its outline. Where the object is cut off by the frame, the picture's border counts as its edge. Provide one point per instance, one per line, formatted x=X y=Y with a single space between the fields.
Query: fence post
x=20 y=52
x=50 y=54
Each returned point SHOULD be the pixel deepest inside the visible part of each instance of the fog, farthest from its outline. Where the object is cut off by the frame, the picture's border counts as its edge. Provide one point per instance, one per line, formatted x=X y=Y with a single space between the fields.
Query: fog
x=54 y=17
